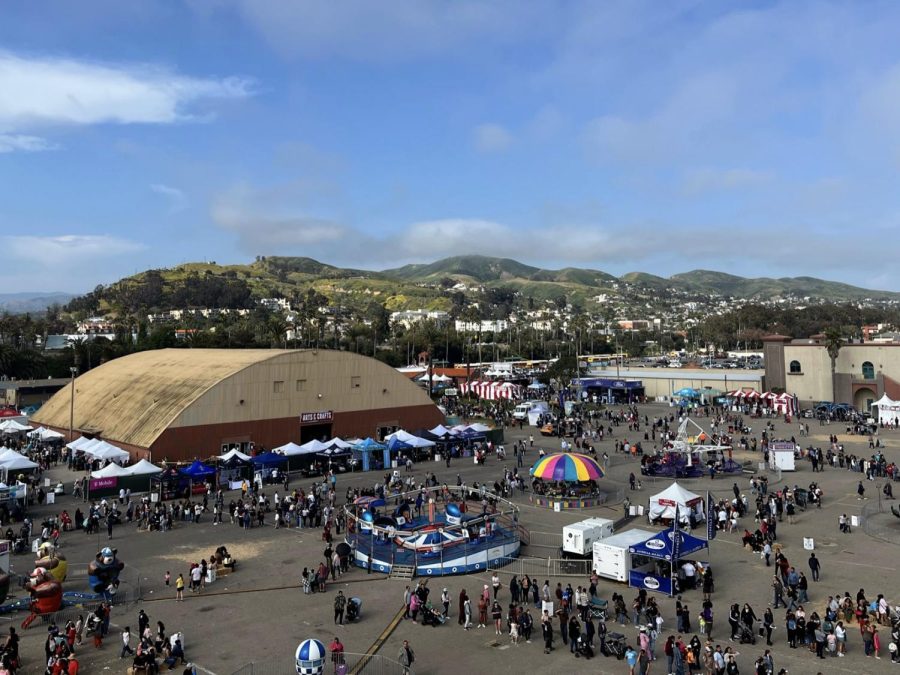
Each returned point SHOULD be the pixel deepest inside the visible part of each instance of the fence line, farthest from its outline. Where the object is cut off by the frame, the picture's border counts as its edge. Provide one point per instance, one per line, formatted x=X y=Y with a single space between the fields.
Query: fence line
x=543 y=567
x=367 y=664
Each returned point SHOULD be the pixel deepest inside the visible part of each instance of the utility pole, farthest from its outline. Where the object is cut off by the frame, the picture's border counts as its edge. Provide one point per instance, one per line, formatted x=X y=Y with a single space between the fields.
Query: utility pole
x=73 y=370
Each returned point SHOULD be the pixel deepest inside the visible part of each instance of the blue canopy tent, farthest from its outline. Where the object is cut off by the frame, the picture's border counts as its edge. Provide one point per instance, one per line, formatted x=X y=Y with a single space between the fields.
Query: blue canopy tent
x=364 y=449
x=197 y=475
x=198 y=470
x=671 y=546
x=268 y=460
x=687 y=392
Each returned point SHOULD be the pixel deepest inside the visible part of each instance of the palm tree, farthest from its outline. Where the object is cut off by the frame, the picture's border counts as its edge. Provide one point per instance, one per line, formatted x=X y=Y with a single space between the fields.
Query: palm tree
x=833 y=343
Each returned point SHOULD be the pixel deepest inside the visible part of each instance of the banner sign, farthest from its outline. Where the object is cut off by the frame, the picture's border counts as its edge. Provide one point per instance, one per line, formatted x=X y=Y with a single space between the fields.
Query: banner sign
x=650 y=581
x=102 y=483
x=316 y=417
x=710 y=518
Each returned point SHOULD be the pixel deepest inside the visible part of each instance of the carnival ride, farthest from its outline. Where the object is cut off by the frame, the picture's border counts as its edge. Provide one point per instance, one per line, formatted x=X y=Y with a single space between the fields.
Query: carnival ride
x=433 y=541
x=45 y=588
x=691 y=454
x=566 y=479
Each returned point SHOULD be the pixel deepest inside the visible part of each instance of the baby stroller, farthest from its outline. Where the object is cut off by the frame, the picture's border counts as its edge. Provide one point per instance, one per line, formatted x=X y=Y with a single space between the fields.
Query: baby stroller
x=354 y=607
x=432 y=617
x=583 y=648
x=746 y=635
x=598 y=609
x=614 y=645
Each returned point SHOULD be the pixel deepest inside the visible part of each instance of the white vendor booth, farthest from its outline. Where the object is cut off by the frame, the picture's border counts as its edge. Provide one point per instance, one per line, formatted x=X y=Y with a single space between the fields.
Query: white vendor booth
x=689 y=505
x=888 y=411
x=781 y=455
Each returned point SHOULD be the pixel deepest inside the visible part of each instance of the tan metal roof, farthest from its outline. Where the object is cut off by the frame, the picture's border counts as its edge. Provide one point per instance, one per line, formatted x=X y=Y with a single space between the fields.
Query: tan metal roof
x=133 y=399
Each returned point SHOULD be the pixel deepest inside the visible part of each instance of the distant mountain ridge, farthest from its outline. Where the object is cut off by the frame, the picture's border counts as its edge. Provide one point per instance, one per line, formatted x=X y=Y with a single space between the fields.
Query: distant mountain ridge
x=21 y=303
x=428 y=285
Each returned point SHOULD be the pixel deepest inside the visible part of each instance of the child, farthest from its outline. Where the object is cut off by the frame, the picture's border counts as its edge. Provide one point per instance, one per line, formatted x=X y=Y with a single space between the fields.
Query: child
x=167 y=577
x=514 y=632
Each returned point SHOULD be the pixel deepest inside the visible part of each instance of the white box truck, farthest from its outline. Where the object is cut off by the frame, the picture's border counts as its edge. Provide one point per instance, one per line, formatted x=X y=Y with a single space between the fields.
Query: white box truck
x=579 y=538
x=611 y=557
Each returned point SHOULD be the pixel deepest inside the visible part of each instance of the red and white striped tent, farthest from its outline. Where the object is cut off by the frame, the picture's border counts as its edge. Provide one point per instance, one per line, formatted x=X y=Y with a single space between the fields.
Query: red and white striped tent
x=491 y=391
x=783 y=404
x=744 y=394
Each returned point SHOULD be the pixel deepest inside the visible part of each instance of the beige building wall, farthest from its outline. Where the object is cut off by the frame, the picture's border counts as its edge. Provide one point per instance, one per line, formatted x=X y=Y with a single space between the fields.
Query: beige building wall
x=814 y=382
x=299 y=382
x=659 y=382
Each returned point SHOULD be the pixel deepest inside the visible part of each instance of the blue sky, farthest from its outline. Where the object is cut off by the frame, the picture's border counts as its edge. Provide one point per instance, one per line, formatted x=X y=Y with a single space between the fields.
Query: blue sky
x=761 y=139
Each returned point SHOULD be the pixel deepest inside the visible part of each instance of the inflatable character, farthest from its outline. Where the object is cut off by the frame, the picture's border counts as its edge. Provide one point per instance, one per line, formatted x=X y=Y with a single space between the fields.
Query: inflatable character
x=104 y=569
x=52 y=561
x=46 y=594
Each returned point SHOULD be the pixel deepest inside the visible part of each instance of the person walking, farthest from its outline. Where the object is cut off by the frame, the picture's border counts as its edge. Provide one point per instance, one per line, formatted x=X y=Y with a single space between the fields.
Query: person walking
x=126 y=639
x=767 y=622
x=340 y=602
x=815 y=566
x=463 y=597
x=467 y=609
x=406 y=657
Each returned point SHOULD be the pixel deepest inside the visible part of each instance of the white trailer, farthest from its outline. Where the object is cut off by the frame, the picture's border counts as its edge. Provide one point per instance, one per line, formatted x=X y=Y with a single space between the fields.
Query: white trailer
x=579 y=538
x=612 y=559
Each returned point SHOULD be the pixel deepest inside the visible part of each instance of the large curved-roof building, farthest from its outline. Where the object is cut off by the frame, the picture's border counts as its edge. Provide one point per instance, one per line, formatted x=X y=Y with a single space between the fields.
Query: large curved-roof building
x=184 y=403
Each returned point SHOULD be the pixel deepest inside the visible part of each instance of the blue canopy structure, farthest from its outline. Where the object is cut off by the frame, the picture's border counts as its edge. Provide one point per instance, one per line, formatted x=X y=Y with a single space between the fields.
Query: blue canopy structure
x=687 y=392
x=661 y=546
x=198 y=470
x=671 y=546
x=268 y=459
x=364 y=450
x=396 y=444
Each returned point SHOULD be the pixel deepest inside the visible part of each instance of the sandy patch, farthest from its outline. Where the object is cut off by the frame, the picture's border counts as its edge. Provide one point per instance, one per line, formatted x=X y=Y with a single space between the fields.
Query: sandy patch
x=238 y=551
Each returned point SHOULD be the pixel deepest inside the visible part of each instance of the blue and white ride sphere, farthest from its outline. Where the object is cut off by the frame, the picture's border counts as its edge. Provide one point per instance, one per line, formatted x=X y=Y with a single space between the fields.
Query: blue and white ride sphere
x=310 y=657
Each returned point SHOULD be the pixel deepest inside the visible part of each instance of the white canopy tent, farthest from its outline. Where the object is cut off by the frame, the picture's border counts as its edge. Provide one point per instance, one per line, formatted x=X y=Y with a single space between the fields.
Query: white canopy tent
x=292 y=449
x=664 y=504
x=229 y=455
x=13 y=461
x=79 y=443
x=8 y=452
x=441 y=431
x=142 y=468
x=104 y=450
x=409 y=439
x=339 y=444
x=111 y=471
x=45 y=434
x=888 y=410
x=13 y=427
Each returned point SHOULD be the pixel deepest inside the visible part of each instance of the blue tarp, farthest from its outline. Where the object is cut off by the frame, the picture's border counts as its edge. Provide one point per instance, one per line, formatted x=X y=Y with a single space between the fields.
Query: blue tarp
x=198 y=470
x=268 y=459
x=396 y=444
x=662 y=545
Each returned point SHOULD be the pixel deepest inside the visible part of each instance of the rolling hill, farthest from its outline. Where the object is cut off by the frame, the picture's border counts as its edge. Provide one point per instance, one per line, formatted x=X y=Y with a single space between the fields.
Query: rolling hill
x=426 y=285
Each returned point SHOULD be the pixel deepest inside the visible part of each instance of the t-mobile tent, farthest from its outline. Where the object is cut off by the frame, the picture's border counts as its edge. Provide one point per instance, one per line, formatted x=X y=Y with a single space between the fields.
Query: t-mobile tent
x=663 y=505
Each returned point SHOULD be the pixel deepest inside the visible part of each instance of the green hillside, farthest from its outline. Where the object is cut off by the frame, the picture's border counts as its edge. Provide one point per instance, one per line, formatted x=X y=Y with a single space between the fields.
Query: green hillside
x=421 y=285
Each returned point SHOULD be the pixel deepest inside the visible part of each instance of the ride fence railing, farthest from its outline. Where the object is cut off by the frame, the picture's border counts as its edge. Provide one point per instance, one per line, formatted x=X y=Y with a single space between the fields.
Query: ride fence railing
x=77 y=591
x=352 y=664
x=870 y=508
x=543 y=567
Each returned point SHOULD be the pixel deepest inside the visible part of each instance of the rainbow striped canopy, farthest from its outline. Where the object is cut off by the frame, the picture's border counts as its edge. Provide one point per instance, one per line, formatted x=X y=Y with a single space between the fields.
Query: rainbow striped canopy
x=567 y=467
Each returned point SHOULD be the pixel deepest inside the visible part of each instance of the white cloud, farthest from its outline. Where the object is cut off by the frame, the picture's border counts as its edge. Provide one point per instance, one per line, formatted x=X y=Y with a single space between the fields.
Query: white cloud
x=492 y=138
x=177 y=200
x=24 y=143
x=66 y=250
x=42 y=91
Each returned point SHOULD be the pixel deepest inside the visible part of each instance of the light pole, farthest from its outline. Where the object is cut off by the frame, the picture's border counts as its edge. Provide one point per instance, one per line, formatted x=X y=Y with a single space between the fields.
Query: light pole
x=73 y=370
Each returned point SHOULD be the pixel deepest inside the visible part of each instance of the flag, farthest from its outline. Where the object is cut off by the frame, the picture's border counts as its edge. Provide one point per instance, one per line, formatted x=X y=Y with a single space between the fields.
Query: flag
x=676 y=539
x=710 y=517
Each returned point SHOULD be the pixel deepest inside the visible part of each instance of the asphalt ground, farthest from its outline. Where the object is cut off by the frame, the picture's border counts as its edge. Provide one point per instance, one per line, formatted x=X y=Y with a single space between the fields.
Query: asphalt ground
x=260 y=613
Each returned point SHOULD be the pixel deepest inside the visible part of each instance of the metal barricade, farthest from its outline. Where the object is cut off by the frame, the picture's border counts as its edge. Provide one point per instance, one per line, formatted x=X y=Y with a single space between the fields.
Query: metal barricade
x=354 y=664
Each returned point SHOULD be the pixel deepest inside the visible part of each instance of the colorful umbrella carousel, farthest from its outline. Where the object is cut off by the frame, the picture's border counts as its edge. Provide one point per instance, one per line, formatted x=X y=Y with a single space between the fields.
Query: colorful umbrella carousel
x=566 y=481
